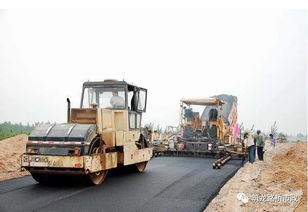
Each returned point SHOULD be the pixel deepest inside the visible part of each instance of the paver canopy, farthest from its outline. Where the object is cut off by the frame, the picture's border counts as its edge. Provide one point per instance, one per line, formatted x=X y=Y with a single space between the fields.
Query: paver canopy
x=202 y=101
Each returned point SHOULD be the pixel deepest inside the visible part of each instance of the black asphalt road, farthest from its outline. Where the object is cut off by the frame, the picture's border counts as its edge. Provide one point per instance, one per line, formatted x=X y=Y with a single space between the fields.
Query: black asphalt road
x=168 y=184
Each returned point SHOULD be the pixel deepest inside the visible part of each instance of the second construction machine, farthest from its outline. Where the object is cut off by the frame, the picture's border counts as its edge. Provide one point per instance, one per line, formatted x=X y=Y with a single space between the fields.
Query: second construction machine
x=104 y=133
x=210 y=134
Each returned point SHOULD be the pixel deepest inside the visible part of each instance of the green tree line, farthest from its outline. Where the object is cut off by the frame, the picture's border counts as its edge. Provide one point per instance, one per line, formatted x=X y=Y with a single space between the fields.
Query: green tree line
x=7 y=129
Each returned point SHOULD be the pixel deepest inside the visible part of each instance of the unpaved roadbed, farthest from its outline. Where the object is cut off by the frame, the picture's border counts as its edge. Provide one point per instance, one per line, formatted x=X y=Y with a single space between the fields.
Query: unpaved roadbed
x=11 y=150
x=284 y=172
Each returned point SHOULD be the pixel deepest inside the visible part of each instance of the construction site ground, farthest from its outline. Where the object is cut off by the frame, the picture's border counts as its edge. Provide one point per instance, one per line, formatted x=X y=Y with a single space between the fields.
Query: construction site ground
x=11 y=150
x=283 y=172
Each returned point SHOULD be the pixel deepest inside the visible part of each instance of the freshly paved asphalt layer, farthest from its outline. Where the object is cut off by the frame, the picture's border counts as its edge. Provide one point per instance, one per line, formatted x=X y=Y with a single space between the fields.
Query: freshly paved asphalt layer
x=168 y=184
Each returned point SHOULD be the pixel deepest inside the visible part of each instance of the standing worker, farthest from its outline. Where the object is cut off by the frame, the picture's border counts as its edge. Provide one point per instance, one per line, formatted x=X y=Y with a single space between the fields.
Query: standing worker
x=273 y=140
x=260 y=144
x=251 y=148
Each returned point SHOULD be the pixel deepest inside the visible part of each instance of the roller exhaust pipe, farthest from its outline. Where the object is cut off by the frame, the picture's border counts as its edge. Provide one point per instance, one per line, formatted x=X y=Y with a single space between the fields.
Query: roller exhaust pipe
x=68 y=110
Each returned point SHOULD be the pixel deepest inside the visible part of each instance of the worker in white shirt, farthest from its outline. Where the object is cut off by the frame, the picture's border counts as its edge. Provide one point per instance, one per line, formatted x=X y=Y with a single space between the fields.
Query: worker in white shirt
x=251 y=148
x=117 y=101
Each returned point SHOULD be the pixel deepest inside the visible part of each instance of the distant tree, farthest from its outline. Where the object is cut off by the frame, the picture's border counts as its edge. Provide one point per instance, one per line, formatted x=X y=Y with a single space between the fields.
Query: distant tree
x=7 y=129
x=252 y=129
x=274 y=129
x=300 y=135
x=246 y=130
x=159 y=129
x=282 y=135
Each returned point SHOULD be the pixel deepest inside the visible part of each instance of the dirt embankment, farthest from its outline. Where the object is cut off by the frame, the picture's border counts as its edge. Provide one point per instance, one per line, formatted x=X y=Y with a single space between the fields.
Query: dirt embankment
x=277 y=184
x=11 y=150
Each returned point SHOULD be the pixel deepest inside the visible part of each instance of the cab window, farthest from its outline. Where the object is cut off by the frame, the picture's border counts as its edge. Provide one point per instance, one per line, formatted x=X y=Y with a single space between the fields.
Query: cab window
x=104 y=98
x=142 y=100
x=132 y=120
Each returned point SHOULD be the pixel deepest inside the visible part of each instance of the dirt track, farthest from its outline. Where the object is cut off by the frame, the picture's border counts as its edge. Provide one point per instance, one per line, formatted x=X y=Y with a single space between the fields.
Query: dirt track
x=284 y=172
x=11 y=150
